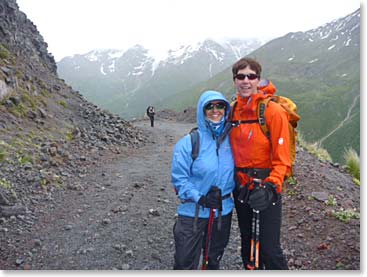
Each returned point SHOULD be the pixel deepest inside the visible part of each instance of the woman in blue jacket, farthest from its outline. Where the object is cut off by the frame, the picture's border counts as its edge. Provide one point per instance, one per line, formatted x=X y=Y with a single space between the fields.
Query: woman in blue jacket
x=204 y=186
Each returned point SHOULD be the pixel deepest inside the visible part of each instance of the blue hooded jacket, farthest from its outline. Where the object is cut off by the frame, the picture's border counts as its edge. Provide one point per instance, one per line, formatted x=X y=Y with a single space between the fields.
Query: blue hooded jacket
x=212 y=167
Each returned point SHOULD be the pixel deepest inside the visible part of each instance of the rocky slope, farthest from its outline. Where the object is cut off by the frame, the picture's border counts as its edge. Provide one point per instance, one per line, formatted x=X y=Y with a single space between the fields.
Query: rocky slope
x=48 y=132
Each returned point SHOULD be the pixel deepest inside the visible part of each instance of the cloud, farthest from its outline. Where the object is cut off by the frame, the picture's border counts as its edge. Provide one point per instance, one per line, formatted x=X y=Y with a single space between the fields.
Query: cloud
x=78 y=26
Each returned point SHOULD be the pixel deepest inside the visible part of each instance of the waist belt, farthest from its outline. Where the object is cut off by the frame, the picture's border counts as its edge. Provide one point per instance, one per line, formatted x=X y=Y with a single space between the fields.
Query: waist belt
x=259 y=173
x=226 y=196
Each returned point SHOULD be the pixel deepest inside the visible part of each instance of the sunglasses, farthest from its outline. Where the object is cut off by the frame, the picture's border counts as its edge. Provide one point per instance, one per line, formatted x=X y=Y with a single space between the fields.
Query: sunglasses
x=218 y=106
x=250 y=76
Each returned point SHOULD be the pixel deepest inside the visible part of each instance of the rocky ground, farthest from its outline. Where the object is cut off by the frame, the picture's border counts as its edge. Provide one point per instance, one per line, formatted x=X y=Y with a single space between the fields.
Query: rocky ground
x=119 y=212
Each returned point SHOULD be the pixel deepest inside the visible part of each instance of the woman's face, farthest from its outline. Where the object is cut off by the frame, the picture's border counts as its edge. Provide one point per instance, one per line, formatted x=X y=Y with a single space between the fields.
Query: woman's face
x=246 y=82
x=215 y=110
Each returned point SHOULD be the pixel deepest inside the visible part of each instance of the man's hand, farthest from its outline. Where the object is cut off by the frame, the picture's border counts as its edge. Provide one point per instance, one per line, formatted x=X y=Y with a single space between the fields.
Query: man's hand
x=262 y=196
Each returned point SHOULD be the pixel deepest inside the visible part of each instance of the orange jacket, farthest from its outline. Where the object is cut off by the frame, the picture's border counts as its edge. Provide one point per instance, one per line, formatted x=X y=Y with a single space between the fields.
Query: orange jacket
x=251 y=148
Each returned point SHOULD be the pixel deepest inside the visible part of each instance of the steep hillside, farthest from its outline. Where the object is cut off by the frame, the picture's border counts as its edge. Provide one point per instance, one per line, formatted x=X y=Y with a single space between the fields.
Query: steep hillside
x=318 y=69
x=48 y=132
x=126 y=82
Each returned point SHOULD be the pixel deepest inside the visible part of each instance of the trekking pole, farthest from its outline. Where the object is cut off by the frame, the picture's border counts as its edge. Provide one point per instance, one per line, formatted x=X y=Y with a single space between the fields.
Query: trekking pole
x=250 y=265
x=257 y=241
x=208 y=238
x=255 y=235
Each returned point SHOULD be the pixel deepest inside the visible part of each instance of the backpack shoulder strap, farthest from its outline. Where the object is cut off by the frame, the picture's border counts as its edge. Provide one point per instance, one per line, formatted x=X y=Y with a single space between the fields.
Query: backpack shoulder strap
x=261 y=107
x=233 y=107
x=195 y=142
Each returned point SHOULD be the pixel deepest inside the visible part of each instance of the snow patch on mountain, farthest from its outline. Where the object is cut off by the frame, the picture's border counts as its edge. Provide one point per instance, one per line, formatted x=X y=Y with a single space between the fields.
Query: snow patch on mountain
x=337 y=29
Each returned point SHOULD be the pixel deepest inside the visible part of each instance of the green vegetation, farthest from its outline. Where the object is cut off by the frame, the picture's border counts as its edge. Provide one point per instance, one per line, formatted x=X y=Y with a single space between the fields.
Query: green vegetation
x=350 y=156
x=291 y=186
x=25 y=159
x=292 y=181
x=63 y=103
x=2 y=155
x=346 y=215
x=69 y=136
x=5 y=184
x=331 y=201
x=4 y=53
x=313 y=148
x=45 y=93
x=28 y=100
x=18 y=110
x=49 y=178
x=352 y=162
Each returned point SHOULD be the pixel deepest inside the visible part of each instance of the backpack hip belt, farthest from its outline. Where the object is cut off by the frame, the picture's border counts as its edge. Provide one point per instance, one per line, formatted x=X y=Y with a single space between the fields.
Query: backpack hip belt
x=258 y=173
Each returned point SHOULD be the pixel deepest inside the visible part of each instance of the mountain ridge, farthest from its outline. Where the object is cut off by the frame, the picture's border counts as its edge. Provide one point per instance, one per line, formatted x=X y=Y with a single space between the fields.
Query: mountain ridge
x=128 y=82
x=318 y=69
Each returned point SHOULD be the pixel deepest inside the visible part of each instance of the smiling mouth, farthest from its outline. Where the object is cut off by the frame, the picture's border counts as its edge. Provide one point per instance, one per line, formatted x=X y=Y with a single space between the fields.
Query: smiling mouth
x=247 y=87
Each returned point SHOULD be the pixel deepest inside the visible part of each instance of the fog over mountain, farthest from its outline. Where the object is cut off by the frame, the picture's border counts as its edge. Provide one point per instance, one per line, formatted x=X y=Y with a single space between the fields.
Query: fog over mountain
x=126 y=81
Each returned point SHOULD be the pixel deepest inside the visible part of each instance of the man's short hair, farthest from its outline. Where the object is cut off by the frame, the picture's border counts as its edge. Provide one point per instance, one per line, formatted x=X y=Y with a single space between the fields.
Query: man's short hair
x=246 y=62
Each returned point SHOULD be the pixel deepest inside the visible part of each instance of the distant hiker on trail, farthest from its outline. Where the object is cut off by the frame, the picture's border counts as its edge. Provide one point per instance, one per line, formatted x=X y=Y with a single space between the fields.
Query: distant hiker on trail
x=261 y=165
x=150 y=114
x=204 y=185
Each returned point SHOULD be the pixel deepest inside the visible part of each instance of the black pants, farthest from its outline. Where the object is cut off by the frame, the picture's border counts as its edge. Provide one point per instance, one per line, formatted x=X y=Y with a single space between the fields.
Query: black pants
x=271 y=253
x=151 y=117
x=189 y=245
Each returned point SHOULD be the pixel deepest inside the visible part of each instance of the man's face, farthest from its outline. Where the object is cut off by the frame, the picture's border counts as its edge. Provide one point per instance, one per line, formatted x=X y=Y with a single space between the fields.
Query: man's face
x=245 y=82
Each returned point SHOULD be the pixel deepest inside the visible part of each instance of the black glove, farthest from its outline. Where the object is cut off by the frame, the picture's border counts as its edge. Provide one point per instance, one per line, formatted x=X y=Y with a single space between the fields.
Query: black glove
x=262 y=196
x=213 y=199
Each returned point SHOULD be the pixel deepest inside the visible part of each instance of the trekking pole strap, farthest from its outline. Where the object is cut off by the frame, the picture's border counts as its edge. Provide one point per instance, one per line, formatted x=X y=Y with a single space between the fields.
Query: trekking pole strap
x=219 y=223
x=195 y=227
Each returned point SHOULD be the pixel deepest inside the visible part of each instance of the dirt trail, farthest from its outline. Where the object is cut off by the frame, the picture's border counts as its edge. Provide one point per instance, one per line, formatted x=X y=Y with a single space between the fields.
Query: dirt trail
x=347 y=117
x=122 y=217
x=114 y=221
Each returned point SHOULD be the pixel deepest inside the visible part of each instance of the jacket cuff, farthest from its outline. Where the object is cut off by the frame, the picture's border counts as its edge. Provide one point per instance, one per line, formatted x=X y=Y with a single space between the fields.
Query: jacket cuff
x=196 y=196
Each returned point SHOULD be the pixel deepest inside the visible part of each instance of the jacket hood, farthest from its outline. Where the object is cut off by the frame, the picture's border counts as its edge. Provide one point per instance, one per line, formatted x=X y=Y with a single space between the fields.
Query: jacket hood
x=205 y=98
x=267 y=87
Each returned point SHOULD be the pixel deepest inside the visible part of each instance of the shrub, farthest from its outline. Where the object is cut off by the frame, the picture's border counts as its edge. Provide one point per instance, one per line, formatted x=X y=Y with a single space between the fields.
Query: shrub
x=352 y=162
x=314 y=149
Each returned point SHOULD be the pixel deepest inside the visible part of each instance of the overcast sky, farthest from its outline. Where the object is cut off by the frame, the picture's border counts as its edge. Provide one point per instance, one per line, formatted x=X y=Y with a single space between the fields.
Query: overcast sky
x=78 y=26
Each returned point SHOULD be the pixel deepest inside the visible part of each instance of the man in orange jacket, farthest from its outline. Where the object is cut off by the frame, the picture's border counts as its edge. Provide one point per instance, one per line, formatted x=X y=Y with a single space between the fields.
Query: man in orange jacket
x=263 y=159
